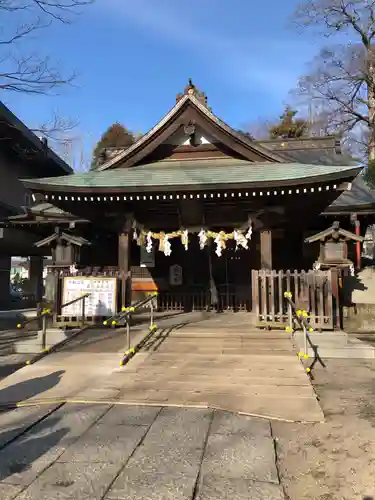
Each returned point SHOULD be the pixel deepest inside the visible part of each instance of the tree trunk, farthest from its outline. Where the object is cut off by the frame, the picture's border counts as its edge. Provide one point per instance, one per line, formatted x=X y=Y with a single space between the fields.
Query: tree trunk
x=371 y=103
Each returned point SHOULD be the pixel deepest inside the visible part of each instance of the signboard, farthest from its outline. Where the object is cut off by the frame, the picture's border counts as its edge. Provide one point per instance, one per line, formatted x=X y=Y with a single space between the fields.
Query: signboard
x=175 y=275
x=147 y=258
x=102 y=299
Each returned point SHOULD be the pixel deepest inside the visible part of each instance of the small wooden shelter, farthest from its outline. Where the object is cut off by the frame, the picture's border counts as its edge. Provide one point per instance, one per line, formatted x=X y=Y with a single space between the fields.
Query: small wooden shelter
x=334 y=247
x=66 y=248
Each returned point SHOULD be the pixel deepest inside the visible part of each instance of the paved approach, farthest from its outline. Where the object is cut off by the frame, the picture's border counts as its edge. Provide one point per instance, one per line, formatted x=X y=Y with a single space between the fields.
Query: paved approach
x=103 y=452
x=217 y=362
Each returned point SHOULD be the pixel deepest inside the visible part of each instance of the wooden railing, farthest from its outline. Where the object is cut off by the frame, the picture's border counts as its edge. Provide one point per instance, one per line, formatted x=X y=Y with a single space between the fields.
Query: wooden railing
x=312 y=291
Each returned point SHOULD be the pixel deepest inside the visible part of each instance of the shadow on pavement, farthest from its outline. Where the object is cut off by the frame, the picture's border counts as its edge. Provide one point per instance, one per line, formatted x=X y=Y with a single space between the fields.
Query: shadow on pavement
x=19 y=454
x=157 y=340
x=9 y=367
x=29 y=388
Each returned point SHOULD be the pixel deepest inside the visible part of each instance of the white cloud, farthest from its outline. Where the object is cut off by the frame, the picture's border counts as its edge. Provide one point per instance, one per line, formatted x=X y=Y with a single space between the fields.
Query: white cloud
x=269 y=62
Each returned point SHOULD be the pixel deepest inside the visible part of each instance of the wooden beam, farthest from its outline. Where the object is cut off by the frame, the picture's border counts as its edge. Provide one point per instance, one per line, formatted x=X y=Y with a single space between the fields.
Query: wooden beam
x=124 y=248
x=266 y=249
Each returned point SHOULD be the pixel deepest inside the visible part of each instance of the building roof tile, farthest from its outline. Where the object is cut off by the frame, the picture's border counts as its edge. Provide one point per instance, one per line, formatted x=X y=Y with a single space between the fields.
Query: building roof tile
x=195 y=174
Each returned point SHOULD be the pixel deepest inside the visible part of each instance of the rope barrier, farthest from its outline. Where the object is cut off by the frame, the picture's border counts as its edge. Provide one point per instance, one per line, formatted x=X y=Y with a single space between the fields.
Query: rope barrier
x=300 y=316
x=126 y=311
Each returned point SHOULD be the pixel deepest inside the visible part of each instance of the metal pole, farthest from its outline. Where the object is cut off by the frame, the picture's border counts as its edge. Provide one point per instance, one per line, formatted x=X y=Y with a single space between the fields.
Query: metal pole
x=127 y=333
x=226 y=279
x=290 y=315
x=83 y=312
x=44 y=330
x=151 y=312
x=305 y=338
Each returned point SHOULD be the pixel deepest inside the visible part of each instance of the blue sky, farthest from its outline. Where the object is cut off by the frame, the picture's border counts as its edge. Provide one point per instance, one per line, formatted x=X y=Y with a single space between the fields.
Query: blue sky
x=132 y=57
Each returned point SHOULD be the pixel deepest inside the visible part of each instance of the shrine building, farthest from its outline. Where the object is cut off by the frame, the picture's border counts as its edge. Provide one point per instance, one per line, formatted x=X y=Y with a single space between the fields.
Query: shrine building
x=192 y=203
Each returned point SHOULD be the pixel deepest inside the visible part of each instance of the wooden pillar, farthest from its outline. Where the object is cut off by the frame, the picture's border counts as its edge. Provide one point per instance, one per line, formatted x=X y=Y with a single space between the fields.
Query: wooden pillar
x=36 y=277
x=124 y=246
x=5 y=265
x=358 y=245
x=266 y=249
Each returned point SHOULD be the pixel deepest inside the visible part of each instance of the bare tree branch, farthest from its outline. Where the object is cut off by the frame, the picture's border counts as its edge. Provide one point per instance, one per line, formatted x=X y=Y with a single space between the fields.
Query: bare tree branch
x=20 y=70
x=57 y=128
x=58 y=131
x=342 y=78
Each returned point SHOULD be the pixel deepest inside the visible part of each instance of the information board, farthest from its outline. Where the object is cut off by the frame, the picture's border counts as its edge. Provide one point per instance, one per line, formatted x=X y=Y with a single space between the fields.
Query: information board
x=102 y=298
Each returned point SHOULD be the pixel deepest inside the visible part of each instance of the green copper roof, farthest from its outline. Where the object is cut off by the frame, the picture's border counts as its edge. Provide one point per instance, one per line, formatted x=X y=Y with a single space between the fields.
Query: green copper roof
x=195 y=174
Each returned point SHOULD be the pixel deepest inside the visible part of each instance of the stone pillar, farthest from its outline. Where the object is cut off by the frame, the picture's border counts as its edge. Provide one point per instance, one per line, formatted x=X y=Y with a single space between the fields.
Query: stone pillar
x=5 y=264
x=266 y=249
x=36 y=277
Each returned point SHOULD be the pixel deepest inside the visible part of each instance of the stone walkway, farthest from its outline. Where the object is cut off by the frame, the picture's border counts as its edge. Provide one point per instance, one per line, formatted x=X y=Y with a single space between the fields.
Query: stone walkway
x=101 y=452
x=201 y=365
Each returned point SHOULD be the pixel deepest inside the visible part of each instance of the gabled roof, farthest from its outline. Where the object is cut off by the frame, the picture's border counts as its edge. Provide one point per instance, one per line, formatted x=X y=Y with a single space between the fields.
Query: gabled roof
x=42 y=209
x=18 y=129
x=335 y=231
x=361 y=196
x=44 y=213
x=325 y=150
x=75 y=240
x=170 y=123
x=183 y=175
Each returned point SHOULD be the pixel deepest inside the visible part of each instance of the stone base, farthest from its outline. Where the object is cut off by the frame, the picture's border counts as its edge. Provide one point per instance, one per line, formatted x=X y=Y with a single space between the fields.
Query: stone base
x=359 y=318
x=336 y=345
x=53 y=336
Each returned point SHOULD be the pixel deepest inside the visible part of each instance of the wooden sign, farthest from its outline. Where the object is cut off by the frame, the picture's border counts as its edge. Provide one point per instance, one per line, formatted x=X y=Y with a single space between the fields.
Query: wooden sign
x=175 y=275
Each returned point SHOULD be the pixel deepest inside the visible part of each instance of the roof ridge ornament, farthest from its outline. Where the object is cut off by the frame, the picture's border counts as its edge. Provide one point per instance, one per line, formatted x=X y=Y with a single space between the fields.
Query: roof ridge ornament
x=192 y=90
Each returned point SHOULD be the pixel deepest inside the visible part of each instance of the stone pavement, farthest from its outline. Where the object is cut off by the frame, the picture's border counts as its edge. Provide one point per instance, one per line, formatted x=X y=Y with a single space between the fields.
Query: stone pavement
x=103 y=452
x=202 y=365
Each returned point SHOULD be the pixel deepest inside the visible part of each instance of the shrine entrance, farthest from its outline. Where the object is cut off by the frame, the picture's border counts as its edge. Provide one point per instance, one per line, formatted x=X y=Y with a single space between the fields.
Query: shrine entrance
x=231 y=273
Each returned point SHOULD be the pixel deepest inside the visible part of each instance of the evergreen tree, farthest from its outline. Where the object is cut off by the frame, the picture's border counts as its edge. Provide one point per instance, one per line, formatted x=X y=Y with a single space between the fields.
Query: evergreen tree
x=116 y=136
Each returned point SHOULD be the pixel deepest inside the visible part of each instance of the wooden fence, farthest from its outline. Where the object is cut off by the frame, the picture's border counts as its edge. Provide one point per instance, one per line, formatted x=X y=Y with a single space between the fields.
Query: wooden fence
x=311 y=290
x=230 y=299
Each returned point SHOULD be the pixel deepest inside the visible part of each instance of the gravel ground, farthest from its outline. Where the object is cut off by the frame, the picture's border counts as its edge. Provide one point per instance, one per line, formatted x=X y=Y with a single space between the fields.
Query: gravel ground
x=334 y=460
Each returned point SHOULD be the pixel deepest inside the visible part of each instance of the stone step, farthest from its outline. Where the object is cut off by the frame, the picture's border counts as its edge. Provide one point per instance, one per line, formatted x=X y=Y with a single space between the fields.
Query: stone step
x=352 y=351
x=228 y=332
x=222 y=345
x=224 y=372
x=245 y=388
x=336 y=345
x=223 y=381
x=275 y=353
x=223 y=340
x=327 y=338
x=34 y=345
